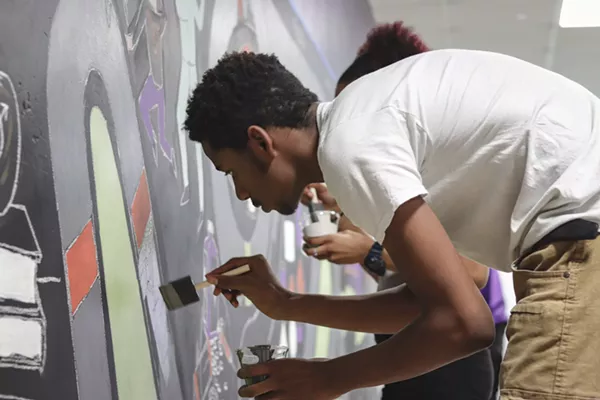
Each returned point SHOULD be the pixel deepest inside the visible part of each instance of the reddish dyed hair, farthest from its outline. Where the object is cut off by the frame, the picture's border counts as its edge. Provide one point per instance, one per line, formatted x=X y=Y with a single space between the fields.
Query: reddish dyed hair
x=392 y=41
x=385 y=45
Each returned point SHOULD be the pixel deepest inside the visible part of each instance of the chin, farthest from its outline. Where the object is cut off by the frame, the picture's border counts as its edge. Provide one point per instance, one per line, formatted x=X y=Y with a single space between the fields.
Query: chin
x=287 y=209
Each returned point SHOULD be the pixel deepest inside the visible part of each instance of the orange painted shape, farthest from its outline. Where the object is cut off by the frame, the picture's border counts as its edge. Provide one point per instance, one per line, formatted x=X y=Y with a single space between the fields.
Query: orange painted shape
x=226 y=348
x=82 y=266
x=210 y=356
x=197 y=387
x=140 y=209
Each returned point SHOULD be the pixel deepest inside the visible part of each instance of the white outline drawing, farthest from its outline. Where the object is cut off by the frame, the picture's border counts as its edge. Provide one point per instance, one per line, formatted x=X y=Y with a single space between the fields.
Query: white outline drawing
x=187 y=10
x=20 y=306
x=11 y=397
x=4 y=118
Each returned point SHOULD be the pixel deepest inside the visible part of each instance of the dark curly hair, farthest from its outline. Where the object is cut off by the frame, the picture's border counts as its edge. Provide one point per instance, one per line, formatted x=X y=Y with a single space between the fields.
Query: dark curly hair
x=385 y=45
x=245 y=89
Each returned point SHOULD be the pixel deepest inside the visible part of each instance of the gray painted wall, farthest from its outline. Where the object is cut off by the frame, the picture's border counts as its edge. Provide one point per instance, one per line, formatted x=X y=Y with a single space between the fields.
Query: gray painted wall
x=102 y=198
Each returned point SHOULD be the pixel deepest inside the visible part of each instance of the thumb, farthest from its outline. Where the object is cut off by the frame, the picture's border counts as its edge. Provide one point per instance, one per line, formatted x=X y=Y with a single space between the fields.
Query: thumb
x=307 y=196
x=308 y=191
x=229 y=265
x=320 y=188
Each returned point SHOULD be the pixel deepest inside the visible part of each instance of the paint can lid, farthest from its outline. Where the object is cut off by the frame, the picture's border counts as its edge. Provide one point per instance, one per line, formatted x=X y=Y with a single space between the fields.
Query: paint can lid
x=248 y=357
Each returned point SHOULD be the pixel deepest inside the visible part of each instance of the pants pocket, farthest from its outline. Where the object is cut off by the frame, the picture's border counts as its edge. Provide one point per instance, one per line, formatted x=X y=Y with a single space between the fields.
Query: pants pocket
x=534 y=332
x=554 y=346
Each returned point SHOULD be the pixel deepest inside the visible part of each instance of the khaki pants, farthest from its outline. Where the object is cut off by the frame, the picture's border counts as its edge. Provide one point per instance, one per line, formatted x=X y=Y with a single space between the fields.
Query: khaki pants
x=554 y=330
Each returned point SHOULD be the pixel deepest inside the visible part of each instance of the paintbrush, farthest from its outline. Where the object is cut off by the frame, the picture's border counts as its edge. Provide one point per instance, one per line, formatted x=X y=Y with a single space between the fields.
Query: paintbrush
x=311 y=206
x=183 y=292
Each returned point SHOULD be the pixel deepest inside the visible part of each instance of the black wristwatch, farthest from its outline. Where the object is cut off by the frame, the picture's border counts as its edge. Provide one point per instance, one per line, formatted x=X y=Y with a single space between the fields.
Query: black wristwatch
x=374 y=260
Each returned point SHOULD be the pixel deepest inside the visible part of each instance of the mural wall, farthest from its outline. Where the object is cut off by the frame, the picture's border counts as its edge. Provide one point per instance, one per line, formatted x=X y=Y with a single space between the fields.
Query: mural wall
x=103 y=198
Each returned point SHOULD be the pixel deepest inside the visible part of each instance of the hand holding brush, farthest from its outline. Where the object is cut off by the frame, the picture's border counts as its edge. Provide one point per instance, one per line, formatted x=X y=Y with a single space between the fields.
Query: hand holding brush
x=183 y=292
x=259 y=285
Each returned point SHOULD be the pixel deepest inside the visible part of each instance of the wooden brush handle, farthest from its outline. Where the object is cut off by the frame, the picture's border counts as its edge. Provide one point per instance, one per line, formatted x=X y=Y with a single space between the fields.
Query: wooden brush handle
x=237 y=271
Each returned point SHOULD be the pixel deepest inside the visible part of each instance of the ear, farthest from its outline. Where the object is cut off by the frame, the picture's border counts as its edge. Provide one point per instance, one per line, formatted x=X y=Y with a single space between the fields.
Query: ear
x=340 y=86
x=260 y=143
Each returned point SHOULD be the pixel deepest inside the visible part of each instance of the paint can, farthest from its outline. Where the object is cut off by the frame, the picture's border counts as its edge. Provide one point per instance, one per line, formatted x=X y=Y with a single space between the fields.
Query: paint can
x=262 y=353
x=327 y=224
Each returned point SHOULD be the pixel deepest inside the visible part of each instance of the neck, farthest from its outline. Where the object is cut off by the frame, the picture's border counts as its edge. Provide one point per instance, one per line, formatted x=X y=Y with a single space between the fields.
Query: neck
x=307 y=160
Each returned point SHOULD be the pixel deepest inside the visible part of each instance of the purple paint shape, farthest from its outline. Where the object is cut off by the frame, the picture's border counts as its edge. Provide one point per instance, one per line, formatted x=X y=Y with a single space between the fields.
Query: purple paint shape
x=152 y=99
x=213 y=335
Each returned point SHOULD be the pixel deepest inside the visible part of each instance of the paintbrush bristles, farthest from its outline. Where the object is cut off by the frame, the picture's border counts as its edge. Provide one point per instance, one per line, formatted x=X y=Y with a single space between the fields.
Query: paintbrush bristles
x=179 y=293
x=313 y=215
x=311 y=205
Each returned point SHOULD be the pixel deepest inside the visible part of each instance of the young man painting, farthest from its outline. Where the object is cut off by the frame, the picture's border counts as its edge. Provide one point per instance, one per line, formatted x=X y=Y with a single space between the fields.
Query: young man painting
x=452 y=159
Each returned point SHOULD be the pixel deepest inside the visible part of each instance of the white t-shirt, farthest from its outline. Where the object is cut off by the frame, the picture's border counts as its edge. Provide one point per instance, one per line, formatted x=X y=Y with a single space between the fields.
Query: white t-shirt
x=502 y=150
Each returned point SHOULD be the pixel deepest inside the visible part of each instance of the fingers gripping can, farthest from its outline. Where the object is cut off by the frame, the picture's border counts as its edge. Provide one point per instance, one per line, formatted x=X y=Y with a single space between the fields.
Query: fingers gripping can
x=258 y=354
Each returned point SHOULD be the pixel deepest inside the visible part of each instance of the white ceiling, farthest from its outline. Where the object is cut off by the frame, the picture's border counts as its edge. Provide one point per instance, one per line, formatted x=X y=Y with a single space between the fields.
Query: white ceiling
x=527 y=29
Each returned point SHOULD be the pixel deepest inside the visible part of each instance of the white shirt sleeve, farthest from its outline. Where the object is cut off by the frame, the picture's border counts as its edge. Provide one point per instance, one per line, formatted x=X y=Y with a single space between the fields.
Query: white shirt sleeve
x=371 y=166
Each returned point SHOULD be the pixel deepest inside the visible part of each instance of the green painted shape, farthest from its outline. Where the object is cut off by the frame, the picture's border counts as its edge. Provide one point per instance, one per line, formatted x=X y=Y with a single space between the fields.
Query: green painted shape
x=133 y=366
x=323 y=334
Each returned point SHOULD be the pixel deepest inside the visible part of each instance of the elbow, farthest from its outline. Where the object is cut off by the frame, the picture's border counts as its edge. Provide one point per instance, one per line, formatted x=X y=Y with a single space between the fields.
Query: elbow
x=476 y=331
x=479 y=335
x=470 y=331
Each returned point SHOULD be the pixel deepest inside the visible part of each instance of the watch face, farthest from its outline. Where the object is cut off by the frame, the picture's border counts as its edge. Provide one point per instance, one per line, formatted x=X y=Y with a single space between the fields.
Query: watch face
x=375 y=264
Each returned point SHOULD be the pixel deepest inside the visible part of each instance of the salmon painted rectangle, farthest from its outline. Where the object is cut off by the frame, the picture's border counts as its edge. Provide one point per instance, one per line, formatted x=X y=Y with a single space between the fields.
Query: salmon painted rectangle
x=82 y=266
x=140 y=209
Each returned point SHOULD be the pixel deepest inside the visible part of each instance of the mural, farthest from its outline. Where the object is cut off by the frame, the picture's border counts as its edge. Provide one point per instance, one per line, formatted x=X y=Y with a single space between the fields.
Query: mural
x=22 y=320
x=103 y=198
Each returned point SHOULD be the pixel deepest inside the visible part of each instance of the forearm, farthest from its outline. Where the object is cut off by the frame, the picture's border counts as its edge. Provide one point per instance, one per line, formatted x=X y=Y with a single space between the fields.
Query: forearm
x=427 y=344
x=478 y=272
x=383 y=312
x=455 y=320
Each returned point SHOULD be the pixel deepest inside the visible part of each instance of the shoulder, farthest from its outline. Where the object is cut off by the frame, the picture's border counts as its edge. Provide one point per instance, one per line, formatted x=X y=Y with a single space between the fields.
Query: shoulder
x=362 y=146
x=366 y=131
x=345 y=136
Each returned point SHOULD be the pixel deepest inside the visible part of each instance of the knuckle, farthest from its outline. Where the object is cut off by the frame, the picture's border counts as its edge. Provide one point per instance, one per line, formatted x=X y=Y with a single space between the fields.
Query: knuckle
x=232 y=260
